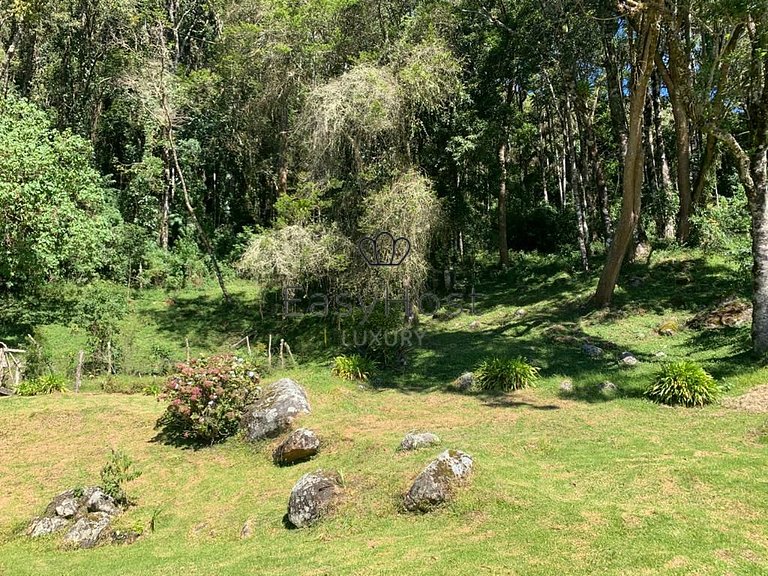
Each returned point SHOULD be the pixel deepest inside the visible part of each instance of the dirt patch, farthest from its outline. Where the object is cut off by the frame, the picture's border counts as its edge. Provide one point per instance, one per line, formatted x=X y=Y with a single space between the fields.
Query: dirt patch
x=730 y=313
x=756 y=400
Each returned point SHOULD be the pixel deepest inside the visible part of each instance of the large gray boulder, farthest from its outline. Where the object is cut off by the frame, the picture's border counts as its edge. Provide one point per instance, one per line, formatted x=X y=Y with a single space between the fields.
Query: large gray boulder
x=414 y=441
x=88 y=530
x=312 y=498
x=299 y=446
x=438 y=481
x=275 y=411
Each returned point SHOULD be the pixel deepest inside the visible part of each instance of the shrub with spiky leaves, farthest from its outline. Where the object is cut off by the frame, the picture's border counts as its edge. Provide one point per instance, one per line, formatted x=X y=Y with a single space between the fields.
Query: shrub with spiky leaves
x=352 y=367
x=47 y=384
x=683 y=383
x=505 y=374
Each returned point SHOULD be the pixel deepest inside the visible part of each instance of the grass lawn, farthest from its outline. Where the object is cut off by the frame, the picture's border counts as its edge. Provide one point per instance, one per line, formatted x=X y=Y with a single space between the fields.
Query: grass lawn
x=577 y=484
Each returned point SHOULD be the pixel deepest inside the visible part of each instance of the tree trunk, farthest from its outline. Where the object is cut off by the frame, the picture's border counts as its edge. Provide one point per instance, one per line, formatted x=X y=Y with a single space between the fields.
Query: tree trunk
x=503 y=248
x=576 y=185
x=665 y=226
x=759 y=209
x=633 y=163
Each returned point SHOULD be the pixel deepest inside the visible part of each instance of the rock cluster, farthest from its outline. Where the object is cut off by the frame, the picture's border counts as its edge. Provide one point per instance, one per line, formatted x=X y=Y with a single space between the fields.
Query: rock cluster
x=87 y=514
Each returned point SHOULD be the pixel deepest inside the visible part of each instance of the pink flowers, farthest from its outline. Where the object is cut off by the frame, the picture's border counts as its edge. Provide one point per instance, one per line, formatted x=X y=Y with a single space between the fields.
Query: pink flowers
x=207 y=397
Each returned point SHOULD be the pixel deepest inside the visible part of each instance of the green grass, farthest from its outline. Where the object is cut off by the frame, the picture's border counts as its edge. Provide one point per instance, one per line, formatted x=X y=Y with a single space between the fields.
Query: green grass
x=576 y=484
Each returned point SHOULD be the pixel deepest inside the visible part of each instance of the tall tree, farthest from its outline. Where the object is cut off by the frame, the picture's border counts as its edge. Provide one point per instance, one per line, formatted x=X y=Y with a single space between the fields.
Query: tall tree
x=644 y=19
x=743 y=128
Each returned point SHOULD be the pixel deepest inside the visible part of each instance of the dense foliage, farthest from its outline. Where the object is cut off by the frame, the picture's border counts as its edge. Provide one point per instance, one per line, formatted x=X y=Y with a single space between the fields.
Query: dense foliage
x=154 y=143
x=45 y=384
x=206 y=398
x=55 y=216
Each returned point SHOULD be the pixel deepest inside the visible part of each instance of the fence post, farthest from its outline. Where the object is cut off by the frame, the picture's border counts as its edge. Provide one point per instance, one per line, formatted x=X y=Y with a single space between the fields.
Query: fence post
x=79 y=371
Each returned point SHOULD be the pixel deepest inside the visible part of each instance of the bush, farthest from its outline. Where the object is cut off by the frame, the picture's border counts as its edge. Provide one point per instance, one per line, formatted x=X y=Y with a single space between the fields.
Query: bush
x=118 y=470
x=391 y=349
x=101 y=308
x=207 y=397
x=353 y=367
x=506 y=374
x=47 y=384
x=684 y=383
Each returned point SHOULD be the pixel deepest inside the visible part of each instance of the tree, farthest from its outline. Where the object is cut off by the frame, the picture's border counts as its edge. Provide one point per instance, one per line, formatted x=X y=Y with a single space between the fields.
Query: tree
x=55 y=218
x=743 y=128
x=645 y=21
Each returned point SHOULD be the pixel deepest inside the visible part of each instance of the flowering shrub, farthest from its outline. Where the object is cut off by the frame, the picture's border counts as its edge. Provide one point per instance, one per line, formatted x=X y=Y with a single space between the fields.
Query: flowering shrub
x=206 y=398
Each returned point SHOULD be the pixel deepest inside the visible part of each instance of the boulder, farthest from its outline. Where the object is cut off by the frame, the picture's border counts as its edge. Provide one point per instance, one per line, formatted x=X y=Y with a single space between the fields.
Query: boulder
x=88 y=530
x=275 y=411
x=6 y=391
x=465 y=382
x=96 y=500
x=44 y=526
x=628 y=359
x=591 y=350
x=312 y=498
x=608 y=388
x=301 y=445
x=438 y=481
x=414 y=441
x=67 y=507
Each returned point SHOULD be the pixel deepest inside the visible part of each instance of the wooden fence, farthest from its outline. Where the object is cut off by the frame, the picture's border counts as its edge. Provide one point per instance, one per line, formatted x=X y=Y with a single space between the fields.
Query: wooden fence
x=11 y=365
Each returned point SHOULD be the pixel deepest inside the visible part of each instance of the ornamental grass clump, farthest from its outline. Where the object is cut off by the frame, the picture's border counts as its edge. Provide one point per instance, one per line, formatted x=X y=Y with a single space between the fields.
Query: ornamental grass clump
x=505 y=374
x=206 y=399
x=352 y=367
x=683 y=383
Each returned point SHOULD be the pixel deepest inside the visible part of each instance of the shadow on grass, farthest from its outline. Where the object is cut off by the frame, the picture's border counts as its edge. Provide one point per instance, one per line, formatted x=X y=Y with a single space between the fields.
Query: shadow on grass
x=511 y=402
x=688 y=284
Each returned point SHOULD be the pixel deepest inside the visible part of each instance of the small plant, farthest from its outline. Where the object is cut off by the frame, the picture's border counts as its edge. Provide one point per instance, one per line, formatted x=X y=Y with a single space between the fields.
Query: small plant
x=352 y=367
x=504 y=374
x=47 y=384
x=206 y=398
x=684 y=383
x=152 y=389
x=118 y=470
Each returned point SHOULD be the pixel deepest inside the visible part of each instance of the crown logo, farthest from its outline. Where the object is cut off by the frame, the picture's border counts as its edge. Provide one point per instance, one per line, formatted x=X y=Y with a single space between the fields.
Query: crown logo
x=384 y=249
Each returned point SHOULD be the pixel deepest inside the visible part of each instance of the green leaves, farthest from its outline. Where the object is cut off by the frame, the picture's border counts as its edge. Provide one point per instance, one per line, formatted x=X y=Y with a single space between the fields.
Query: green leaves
x=54 y=217
x=352 y=367
x=684 y=383
x=505 y=374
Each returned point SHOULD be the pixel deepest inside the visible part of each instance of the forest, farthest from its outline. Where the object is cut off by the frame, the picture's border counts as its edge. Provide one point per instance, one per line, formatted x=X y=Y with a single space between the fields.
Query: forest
x=148 y=142
x=519 y=224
